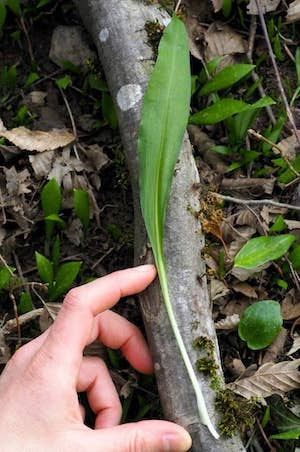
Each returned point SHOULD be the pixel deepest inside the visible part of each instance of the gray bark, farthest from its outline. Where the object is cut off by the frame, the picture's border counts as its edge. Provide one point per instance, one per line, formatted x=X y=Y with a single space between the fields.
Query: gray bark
x=118 y=30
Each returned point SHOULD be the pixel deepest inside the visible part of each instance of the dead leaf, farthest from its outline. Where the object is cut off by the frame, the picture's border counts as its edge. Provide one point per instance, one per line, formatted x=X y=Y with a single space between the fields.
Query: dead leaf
x=293 y=13
x=221 y=40
x=288 y=147
x=218 y=289
x=2 y=235
x=74 y=231
x=269 y=379
x=36 y=140
x=229 y=323
x=245 y=289
x=275 y=349
x=236 y=307
x=267 y=6
x=295 y=347
x=17 y=183
x=290 y=306
x=218 y=5
x=292 y=224
x=235 y=366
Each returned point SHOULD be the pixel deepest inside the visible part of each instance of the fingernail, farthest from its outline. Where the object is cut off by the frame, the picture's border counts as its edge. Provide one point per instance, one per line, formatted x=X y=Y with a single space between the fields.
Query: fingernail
x=174 y=442
x=145 y=268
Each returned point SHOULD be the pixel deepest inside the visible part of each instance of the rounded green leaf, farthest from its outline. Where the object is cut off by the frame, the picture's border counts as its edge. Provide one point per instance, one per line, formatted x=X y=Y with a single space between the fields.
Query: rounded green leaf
x=260 y=250
x=260 y=324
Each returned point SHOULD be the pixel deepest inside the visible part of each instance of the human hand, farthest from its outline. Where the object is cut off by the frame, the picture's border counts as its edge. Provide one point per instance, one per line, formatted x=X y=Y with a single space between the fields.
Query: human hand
x=40 y=411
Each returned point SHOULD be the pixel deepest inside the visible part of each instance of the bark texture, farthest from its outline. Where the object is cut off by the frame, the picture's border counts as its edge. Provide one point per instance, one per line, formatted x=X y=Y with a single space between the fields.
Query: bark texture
x=118 y=30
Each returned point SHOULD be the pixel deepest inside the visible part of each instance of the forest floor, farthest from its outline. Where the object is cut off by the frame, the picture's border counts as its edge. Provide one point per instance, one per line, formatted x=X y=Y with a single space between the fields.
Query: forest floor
x=82 y=187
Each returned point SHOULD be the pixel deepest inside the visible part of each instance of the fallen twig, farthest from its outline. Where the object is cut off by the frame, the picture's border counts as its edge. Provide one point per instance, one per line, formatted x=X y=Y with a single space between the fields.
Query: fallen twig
x=256 y=201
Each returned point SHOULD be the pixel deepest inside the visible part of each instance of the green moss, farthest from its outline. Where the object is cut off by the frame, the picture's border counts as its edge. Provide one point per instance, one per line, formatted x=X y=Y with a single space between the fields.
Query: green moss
x=207 y=363
x=204 y=343
x=237 y=413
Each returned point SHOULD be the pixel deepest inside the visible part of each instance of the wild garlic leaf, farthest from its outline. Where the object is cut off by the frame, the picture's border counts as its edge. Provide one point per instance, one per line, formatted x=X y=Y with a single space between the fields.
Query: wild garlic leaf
x=226 y=78
x=260 y=250
x=164 y=119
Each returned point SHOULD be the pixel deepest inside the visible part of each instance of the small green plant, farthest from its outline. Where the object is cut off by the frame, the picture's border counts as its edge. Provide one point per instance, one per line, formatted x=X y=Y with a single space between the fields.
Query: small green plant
x=59 y=278
x=297 y=64
x=82 y=208
x=6 y=274
x=51 y=199
x=260 y=250
x=260 y=324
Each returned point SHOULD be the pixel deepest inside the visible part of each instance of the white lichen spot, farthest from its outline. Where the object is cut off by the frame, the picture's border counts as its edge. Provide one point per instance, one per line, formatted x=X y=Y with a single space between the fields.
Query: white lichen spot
x=128 y=96
x=156 y=367
x=104 y=34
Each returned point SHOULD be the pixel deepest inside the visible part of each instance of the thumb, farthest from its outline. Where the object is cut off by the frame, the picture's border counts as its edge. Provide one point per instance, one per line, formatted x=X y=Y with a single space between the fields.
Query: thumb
x=145 y=436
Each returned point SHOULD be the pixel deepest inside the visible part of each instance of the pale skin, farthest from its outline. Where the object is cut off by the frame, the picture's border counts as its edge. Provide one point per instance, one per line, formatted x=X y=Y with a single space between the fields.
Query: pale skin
x=40 y=411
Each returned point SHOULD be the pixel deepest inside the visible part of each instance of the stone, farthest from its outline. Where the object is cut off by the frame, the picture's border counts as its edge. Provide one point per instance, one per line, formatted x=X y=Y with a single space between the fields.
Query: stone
x=70 y=43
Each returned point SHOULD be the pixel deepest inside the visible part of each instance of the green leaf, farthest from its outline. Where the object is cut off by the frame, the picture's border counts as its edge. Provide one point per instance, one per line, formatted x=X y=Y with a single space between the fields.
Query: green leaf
x=96 y=83
x=14 y=6
x=45 y=268
x=65 y=277
x=54 y=218
x=32 y=77
x=266 y=417
x=260 y=324
x=64 y=82
x=226 y=8
x=164 y=118
x=292 y=434
x=25 y=303
x=278 y=225
x=226 y=78
x=219 y=111
x=51 y=198
x=294 y=257
x=260 y=250
x=56 y=254
x=211 y=66
x=2 y=14
x=82 y=207
x=5 y=276
x=288 y=175
x=109 y=110
x=281 y=283
x=51 y=203
x=284 y=419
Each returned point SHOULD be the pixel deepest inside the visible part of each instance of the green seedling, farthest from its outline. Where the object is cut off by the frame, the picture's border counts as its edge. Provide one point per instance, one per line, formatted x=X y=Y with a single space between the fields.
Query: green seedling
x=60 y=280
x=15 y=7
x=226 y=78
x=6 y=273
x=225 y=108
x=297 y=63
x=64 y=82
x=82 y=208
x=165 y=111
x=260 y=250
x=278 y=225
x=32 y=78
x=51 y=203
x=260 y=324
x=25 y=303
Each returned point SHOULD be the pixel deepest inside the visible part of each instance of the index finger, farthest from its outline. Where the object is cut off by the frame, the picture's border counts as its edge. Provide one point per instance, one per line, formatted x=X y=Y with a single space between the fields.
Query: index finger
x=73 y=326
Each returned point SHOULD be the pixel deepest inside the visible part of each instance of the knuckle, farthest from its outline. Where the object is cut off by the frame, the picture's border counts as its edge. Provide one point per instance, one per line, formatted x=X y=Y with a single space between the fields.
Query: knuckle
x=72 y=299
x=138 y=441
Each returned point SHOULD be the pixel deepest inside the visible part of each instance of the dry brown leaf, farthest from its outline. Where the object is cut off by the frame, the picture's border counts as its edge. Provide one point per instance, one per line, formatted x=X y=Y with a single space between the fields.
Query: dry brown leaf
x=290 y=306
x=229 y=323
x=275 y=349
x=293 y=13
x=36 y=140
x=267 y=6
x=235 y=366
x=218 y=4
x=222 y=40
x=236 y=307
x=292 y=224
x=245 y=289
x=295 y=347
x=269 y=379
x=288 y=147
x=218 y=289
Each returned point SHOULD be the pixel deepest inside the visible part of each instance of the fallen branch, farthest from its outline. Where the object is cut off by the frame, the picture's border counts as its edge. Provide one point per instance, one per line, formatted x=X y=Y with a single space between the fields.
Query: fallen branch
x=118 y=30
x=256 y=201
